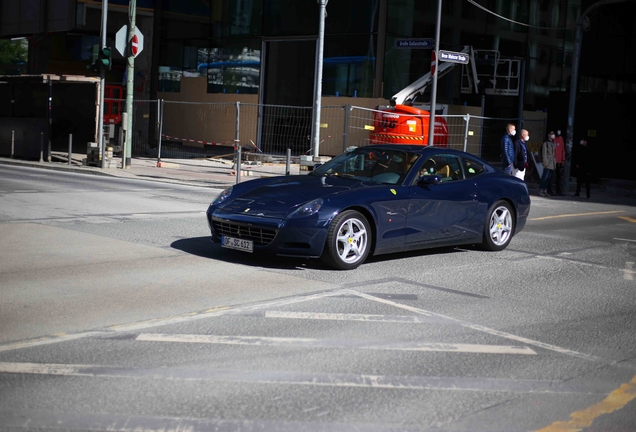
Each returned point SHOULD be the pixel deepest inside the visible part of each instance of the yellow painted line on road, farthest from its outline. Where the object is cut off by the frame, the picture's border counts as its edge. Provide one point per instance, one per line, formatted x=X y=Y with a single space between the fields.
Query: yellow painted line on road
x=584 y=418
x=628 y=219
x=577 y=215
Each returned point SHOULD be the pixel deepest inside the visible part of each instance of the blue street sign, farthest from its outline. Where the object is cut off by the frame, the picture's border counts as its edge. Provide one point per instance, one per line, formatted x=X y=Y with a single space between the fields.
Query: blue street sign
x=453 y=57
x=414 y=43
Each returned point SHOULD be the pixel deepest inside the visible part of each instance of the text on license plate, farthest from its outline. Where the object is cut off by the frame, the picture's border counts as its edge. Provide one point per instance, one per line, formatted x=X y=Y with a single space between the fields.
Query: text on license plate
x=237 y=243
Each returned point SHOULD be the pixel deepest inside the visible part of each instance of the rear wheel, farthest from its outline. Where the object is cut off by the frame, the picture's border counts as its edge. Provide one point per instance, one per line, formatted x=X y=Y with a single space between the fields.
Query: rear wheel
x=499 y=227
x=348 y=241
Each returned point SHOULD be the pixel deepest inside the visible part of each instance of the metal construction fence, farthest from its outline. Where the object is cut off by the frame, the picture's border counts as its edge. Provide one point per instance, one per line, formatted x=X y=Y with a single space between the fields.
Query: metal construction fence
x=194 y=132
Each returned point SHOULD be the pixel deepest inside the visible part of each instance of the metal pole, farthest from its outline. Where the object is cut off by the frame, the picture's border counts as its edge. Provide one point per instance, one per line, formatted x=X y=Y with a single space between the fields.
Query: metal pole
x=102 y=85
x=41 y=146
x=12 y=143
x=288 y=162
x=50 y=115
x=574 y=89
x=345 y=140
x=431 y=126
x=130 y=80
x=315 y=132
x=70 y=148
x=160 y=117
x=237 y=126
x=522 y=87
x=481 y=129
x=467 y=120
x=238 y=163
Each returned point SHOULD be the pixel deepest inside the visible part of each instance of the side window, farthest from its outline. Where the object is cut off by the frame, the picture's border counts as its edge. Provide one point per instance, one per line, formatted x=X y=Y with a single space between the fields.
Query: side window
x=446 y=166
x=473 y=168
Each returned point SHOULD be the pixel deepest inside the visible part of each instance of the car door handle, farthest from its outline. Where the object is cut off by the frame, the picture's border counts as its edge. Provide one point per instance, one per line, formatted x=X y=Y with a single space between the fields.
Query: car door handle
x=391 y=213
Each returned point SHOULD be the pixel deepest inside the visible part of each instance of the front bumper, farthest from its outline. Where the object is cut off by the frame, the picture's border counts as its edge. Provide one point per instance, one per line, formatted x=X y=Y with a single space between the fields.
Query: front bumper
x=296 y=237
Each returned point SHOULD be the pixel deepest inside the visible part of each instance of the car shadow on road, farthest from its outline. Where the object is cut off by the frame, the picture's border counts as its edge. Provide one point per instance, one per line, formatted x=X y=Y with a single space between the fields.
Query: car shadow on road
x=205 y=248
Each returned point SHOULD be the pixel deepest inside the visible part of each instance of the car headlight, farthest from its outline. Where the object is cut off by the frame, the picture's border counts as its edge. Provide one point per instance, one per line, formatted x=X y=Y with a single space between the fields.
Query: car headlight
x=222 y=196
x=307 y=209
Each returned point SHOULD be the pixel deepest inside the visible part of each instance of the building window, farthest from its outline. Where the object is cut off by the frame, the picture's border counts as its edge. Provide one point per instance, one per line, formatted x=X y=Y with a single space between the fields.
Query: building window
x=348 y=66
x=233 y=68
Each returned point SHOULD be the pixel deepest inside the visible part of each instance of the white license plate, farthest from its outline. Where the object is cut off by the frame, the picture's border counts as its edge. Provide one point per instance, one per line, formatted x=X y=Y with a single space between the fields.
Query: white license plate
x=237 y=243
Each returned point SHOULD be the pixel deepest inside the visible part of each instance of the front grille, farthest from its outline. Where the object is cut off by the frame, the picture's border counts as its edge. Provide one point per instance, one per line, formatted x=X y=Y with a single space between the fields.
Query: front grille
x=260 y=236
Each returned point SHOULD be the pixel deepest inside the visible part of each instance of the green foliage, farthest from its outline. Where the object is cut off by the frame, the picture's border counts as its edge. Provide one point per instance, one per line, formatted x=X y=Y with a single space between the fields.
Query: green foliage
x=13 y=52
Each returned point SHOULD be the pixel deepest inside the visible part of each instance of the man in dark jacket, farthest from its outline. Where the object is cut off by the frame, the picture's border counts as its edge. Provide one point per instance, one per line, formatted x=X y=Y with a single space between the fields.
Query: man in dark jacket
x=583 y=165
x=521 y=155
x=508 y=149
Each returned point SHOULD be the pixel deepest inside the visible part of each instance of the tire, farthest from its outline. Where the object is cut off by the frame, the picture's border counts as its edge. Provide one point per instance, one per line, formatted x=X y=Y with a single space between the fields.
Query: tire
x=348 y=241
x=499 y=227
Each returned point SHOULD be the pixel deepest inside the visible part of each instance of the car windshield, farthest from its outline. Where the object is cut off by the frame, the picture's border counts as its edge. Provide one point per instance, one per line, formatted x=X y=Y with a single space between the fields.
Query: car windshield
x=387 y=166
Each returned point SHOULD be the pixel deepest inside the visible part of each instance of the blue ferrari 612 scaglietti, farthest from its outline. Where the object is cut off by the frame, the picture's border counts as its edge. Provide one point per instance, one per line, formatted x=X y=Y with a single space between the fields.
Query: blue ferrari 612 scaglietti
x=373 y=200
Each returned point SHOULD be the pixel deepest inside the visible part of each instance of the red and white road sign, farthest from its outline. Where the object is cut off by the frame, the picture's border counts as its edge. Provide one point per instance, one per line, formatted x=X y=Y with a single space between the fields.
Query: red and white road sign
x=134 y=46
x=137 y=41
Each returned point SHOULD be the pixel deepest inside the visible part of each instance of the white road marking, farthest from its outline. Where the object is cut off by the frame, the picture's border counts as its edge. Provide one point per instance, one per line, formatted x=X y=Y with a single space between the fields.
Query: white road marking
x=24 y=191
x=326 y=379
x=627 y=240
x=628 y=273
x=488 y=330
x=188 y=317
x=344 y=317
x=334 y=343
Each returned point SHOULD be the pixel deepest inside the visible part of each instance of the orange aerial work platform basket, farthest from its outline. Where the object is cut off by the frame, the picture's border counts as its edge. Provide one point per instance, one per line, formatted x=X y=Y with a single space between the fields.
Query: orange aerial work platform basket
x=405 y=124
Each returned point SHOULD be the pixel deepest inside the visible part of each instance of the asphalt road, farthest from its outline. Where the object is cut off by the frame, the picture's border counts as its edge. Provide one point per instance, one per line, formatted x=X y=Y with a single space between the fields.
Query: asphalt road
x=117 y=313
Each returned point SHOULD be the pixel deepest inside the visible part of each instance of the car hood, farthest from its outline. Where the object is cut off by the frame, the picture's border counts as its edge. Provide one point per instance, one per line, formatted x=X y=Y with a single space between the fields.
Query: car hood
x=278 y=198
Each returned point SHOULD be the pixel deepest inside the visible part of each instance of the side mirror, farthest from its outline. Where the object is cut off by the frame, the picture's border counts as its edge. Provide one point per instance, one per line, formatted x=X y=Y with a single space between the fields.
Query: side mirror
x=430 y=180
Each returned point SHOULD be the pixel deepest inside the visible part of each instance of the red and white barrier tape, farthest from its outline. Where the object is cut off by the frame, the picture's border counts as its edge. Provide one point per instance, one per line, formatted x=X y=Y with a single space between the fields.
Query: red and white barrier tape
x=195 y=141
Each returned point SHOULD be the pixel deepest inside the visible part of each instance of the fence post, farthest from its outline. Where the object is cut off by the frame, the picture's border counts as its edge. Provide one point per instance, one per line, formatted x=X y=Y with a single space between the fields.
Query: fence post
x=237 y=133
x=481 y=128
x=160 y=117
x=12 y=143
x=237 y=142
x=238 y=163
x=288 y=162
x=345 y=135
x=467 y=120
x=41 y=146
x=70 y=148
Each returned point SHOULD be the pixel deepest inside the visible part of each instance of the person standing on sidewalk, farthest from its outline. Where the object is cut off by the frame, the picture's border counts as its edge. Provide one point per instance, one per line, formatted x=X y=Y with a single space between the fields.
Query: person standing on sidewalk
x=508 y=149
x=583 y=166
x=521 y=155
x=549 y=164
x=559 y=156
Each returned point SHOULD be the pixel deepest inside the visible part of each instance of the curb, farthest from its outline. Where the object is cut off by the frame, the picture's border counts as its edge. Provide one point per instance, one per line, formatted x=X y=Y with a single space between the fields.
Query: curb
x=119 y=174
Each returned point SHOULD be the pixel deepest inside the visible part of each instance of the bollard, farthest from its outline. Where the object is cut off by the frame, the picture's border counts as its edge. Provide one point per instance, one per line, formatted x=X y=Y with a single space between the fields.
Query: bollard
x=288 y=162
x=41 y=146
x=70 y=148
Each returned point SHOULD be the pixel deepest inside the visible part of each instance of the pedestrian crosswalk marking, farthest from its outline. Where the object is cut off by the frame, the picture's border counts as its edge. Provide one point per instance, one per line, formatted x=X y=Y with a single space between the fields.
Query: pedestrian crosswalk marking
x=335 y=343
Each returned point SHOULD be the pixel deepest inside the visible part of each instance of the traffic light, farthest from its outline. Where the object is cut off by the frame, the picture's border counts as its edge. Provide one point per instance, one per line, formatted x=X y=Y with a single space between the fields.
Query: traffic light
x=94 y=50
x=105 y=58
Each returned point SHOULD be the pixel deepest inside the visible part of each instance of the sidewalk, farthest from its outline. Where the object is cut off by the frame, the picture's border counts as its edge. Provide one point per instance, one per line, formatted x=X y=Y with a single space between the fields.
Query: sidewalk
x=189 y=173
x=214 y=174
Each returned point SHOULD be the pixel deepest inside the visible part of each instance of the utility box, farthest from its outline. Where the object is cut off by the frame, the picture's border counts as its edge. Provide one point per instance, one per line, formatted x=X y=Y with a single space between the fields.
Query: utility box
x=93 y=155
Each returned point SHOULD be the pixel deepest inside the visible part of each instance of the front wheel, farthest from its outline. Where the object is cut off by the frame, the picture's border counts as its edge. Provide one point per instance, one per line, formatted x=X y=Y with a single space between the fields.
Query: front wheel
x=348 y=241
x=499 y=227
